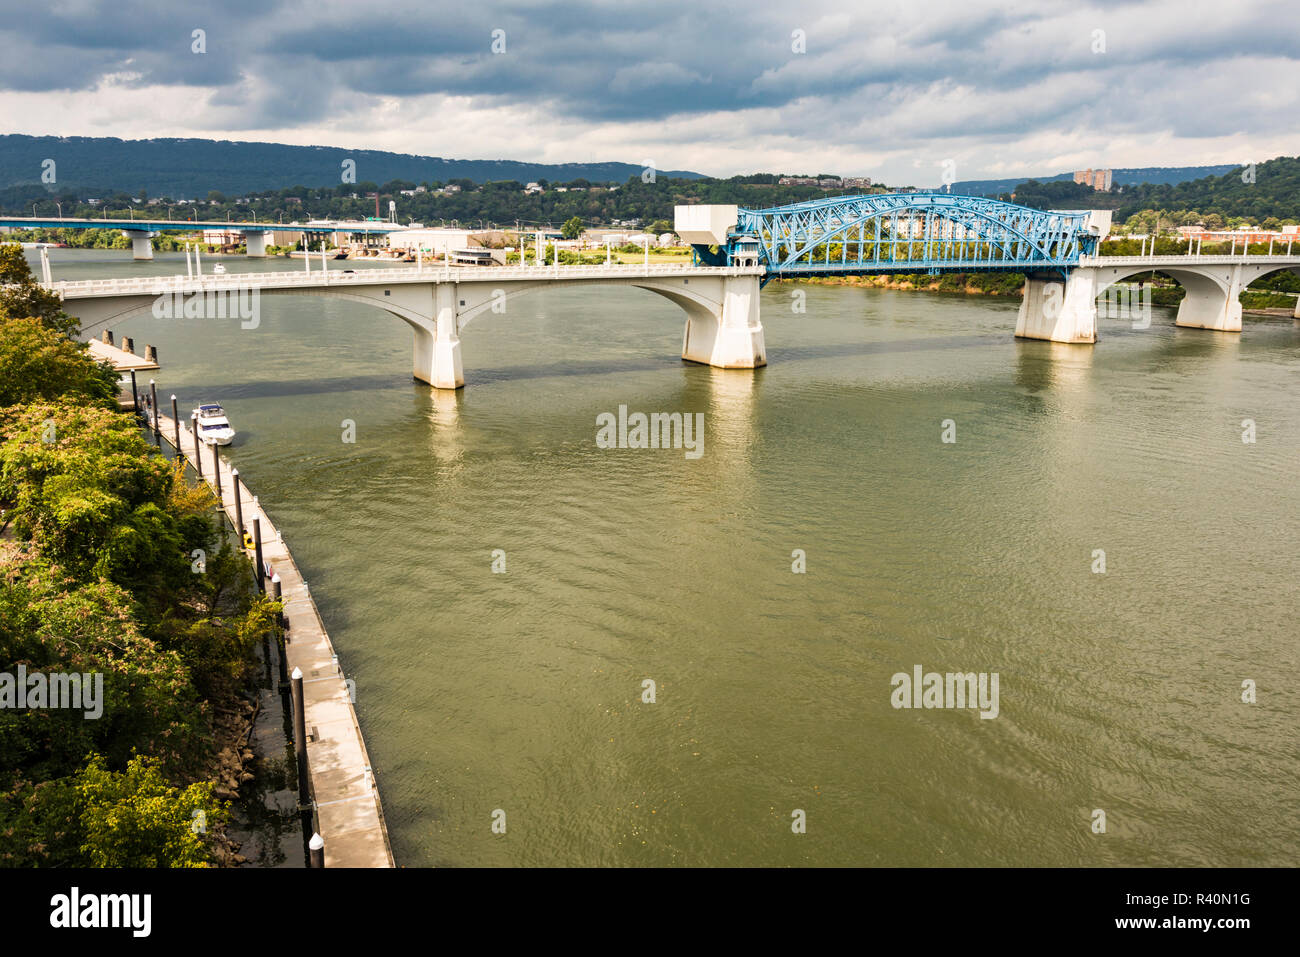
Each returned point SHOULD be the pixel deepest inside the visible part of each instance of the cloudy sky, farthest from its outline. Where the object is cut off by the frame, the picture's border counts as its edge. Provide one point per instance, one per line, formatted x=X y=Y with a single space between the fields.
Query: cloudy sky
x=889 y=90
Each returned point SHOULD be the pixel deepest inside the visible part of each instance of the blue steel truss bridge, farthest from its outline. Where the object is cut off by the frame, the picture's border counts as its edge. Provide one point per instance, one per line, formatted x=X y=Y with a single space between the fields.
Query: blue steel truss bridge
x=903 y=232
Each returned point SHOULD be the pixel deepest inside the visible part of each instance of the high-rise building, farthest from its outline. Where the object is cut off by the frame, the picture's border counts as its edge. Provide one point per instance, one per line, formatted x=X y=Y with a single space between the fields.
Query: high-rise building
x=1098 y=179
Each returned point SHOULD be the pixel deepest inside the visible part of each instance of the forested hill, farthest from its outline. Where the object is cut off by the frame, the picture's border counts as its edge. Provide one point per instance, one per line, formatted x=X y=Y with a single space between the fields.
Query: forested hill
x=193 y=167
x=1132 y=176
x=1270 y=189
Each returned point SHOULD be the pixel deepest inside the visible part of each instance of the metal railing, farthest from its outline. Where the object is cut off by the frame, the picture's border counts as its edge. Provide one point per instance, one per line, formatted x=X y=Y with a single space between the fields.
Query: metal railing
x=1204 y=259
x=155 y=285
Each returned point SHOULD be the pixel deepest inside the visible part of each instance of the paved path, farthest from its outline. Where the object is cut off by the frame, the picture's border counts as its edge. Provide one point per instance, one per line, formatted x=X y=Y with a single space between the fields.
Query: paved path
x=349 y=814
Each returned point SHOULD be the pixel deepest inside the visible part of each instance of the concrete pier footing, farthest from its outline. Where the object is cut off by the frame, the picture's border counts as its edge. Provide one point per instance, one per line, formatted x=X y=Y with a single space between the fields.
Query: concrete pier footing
x=729 y=337
x=255 y=243
x=437 y=341
x=141 y=243
x=1210 y=303
x=1059 y=311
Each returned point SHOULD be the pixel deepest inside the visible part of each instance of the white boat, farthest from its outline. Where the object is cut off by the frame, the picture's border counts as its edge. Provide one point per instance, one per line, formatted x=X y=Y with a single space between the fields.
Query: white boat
x=214 y=428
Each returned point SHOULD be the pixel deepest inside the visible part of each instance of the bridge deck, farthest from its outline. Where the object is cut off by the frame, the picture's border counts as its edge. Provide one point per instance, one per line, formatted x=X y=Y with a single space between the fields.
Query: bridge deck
x=158 y=285
x=349 y=814
x=182 y=225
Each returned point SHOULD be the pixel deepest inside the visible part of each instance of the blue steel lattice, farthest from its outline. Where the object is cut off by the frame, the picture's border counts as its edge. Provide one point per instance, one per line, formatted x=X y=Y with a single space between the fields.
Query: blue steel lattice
x=913 y=232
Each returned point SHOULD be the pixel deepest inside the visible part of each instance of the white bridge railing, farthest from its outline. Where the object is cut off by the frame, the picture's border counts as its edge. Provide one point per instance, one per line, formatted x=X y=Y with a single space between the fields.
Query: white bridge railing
x=157 y=285
x=1192 y=260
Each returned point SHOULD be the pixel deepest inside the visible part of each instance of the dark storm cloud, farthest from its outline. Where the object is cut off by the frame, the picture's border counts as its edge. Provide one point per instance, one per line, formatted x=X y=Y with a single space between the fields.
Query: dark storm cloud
x=279 y=64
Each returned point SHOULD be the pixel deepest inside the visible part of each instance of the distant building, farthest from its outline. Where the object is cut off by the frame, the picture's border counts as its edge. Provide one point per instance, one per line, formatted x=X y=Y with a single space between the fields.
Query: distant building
x=857 y=182
x=798 y=181
x=830 y=182
x=468 y=246
x=533 y=188
x=1098 y=179
x=222 y=237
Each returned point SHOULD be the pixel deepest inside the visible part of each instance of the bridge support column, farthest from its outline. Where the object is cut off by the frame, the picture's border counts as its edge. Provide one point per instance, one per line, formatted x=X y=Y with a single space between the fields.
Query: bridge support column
x=255 y=244
x=730 y=337
x=1060 y=312
x=437 y=347
x=1211 y=305
x=141 y=244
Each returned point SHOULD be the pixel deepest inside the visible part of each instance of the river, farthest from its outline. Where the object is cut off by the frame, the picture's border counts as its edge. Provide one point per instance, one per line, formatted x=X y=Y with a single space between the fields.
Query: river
x=522 y=691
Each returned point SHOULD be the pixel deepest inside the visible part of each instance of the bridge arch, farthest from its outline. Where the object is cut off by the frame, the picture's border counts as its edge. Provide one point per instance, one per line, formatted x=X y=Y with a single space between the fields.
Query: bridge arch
x=1213 y=290
x=697 y=299
x=722 y=310
x=953 y=232
x=91 y=319
x=722 y=326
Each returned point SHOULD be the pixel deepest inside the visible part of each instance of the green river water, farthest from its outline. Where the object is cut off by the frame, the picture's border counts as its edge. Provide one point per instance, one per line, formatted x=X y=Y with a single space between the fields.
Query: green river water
x=522 y=691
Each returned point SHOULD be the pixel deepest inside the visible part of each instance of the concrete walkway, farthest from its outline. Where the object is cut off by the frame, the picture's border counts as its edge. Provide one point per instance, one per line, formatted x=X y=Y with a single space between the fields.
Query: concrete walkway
x=349 y=814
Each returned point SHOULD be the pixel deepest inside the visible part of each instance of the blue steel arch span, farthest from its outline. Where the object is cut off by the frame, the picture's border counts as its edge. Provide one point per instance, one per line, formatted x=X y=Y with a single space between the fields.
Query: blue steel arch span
x=908 y=232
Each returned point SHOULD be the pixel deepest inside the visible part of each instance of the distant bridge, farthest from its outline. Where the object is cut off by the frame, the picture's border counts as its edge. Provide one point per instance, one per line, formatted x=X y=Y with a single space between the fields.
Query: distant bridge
x=142 y=231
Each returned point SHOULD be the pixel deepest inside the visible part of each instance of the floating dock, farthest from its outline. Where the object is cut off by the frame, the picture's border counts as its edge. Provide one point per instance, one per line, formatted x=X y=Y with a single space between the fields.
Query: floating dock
x=349 y=815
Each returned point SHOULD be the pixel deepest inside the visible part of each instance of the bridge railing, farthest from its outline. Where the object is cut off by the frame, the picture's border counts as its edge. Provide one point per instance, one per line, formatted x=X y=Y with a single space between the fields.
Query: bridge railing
x=1198 y=258
x=154 y=285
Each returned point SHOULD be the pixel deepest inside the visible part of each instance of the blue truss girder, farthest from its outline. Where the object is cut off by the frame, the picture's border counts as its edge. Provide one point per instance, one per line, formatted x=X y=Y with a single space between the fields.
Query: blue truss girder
x=914 y=232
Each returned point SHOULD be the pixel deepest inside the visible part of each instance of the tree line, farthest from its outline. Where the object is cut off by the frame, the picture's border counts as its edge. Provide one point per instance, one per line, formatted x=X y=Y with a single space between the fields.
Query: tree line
x=99 y=576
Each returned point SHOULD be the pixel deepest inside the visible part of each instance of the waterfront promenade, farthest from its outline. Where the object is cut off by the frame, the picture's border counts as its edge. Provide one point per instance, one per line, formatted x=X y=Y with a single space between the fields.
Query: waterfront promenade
x=349 y=814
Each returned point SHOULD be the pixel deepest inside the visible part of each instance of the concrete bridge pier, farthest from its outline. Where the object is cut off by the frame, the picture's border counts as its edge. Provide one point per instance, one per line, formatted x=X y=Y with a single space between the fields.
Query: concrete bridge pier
x=437 y=342
x=255 y=242
x=1059 y=311
x=730 y=336
x=141 y=243
x=1210 y=302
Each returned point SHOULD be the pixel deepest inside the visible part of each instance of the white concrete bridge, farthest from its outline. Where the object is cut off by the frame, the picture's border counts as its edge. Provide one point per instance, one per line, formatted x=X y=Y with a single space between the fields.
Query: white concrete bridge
x=720 y=302
x=1066 y=311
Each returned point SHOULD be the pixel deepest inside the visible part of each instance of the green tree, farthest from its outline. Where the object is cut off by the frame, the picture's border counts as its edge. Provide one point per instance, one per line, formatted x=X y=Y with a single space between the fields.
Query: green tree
x=81 y=484
x=49 y=622
x=21 y=295
x=135 y=819
x=572 y=228
x=37 y=363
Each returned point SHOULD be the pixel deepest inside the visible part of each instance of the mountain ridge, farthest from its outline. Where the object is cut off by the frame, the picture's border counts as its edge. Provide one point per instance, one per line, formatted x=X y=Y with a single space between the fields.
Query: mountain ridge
x=190 y=167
